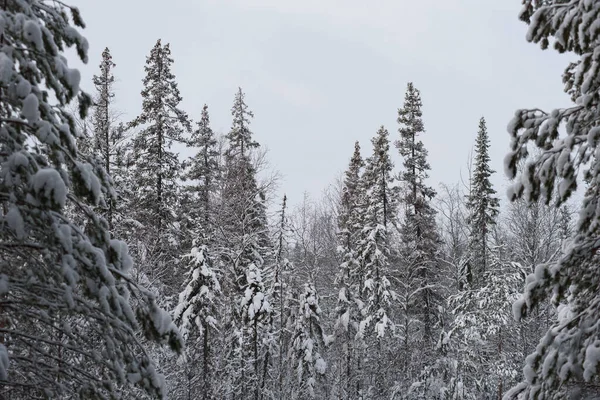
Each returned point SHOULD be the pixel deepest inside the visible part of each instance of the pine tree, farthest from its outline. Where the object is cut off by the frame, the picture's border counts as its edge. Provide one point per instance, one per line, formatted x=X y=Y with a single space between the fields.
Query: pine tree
x=482 y=206
x=418 y=232
x=567 y=138
x=157 y=169
x=58 y=281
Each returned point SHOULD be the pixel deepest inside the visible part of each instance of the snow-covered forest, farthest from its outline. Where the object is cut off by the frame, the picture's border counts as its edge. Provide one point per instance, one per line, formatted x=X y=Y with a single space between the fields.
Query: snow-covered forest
x=130 y=271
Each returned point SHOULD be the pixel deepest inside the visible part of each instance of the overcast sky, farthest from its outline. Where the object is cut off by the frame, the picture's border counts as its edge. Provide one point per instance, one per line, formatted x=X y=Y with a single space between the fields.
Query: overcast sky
x=320 y=74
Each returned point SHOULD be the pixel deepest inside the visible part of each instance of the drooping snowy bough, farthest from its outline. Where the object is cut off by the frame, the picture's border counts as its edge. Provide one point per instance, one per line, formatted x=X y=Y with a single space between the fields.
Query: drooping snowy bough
x=70 y=317
x=569 y=353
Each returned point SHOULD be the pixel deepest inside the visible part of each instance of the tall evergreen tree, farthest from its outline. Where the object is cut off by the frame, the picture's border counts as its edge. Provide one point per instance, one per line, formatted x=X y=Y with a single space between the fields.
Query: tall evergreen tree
x=280 y=295
x=378 y=181
x=567 y=138
x=102 y=113
x=240 y=136
x=58 y=281
x=418 y=233
x=349 y=279
x=196 y=314
x=109 y=138
x=157 y=168
x=374 y=253
x=245 y=241
x=482 y=206
x=203 y=171
x=308 y=343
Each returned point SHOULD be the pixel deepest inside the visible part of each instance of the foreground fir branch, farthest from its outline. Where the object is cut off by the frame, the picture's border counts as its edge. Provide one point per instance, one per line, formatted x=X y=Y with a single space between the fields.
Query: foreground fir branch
x=68 y=324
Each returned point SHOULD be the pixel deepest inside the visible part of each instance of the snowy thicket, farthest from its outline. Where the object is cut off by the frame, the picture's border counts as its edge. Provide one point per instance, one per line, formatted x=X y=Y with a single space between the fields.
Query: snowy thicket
x=382 y=288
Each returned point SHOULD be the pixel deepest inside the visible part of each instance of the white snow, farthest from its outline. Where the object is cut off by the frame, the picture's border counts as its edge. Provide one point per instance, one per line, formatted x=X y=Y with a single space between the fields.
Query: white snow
x=23 y=87
x=592 y=358
x=33 y=33
x=122 y=251
x=162 y=321
x=91 y=181
x=48 y=184
x=344 y=319
x=320 y=366
x=517 y=309
x=73 y=78
x=30 y=109
x=15 y=221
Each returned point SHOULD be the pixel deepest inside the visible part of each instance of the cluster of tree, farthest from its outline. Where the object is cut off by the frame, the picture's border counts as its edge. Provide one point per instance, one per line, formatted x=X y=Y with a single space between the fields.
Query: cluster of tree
x=382 y=289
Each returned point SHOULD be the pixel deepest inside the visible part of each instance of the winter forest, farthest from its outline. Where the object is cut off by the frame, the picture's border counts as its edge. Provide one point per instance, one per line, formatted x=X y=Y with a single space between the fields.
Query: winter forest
x=128 y=271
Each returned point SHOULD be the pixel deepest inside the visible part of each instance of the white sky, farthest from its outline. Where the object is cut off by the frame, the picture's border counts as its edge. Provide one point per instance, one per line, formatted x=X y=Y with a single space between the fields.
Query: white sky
x=320 y=74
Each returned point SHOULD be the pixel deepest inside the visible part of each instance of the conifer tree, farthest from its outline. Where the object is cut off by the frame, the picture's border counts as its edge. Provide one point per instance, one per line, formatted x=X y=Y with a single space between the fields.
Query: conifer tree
x=374 y=251
x=349 y=279
x=59 y=281
x=102 y=118
x=308 y=343
x=279 y=294
x=245 y=240
x=203 y=171
x=157 y=169
x=483 y=331
x=240 y=136
x=418 y=232
x=568 y=142
x=196 y=315
x=378 y=179
x=162 y=122
x=109 y=143
x=482 y=206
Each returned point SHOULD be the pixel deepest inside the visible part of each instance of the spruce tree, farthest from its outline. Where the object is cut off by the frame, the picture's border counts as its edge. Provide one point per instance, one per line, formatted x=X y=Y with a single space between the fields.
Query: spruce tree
x=373 y=246
x=157 y=168
x=196 y=314
x=108 y=142
x=568 y=142
x=374 y=251
x=308 y=343
x=378 y=179
x=58 y=280
x=418 y=232
x=279 y=293
x=240 y=136
x=102 y=113
x=245 y=240
x=203 y=172
x=483 y=208
x=349 y=278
